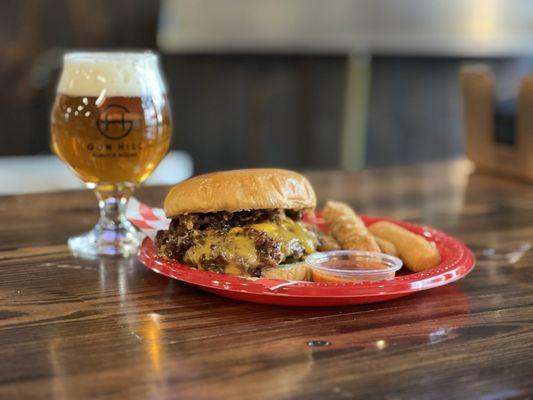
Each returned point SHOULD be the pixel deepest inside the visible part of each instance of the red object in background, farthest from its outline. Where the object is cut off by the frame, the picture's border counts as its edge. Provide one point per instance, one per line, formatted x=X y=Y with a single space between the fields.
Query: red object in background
x=457 y=262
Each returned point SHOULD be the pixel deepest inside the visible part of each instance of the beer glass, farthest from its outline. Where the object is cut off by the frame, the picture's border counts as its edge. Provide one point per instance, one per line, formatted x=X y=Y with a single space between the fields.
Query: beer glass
x=111 y=125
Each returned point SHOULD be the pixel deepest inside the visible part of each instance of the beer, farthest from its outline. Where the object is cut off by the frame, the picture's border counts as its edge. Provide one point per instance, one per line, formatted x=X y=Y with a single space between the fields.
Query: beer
x=111 y=125
x=122 y=139
x=115 y=138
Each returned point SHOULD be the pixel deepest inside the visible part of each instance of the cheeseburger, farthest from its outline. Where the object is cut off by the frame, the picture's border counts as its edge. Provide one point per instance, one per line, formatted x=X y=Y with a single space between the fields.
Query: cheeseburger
x=244 y=222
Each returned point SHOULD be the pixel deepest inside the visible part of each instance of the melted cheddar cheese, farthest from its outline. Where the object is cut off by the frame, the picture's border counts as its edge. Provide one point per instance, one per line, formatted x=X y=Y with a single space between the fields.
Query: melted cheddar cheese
x=239 y=250
x=233 y=246
x=289 y=233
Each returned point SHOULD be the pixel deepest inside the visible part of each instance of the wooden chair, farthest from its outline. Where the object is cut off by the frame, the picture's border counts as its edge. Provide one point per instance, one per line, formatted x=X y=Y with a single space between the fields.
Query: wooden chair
x=483 y=146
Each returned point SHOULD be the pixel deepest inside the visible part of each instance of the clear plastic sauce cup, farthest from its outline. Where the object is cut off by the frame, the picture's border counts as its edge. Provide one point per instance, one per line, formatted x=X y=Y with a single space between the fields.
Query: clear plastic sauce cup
x=352 y=266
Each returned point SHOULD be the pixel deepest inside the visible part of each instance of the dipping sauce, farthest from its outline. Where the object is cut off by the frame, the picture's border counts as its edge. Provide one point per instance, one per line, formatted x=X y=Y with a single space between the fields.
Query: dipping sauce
x=352 y=266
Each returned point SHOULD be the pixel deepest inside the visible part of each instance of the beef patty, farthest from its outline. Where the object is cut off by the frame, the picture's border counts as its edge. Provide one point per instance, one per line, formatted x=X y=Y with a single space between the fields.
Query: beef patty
x=240 y=243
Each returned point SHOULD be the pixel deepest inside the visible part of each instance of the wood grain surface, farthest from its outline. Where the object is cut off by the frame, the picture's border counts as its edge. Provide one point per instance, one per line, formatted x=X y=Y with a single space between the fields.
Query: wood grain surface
x=112 y=329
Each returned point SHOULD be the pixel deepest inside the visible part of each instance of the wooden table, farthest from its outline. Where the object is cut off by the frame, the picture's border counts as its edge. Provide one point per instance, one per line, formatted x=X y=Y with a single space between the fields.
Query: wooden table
x=72 y=328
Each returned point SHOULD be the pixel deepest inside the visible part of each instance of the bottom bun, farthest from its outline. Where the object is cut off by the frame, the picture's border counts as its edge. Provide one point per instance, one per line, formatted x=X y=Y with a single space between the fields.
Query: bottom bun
x=290 y=272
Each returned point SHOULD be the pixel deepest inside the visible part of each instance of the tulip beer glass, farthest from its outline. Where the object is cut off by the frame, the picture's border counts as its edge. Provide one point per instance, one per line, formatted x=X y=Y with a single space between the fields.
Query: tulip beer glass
x=111 y=125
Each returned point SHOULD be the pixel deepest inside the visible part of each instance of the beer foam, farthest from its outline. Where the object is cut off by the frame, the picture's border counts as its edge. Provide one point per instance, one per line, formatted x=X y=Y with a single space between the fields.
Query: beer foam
x=114 y=74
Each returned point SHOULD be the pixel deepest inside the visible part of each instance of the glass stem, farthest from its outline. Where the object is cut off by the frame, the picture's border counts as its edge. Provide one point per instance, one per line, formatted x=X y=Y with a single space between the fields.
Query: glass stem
x=112 y=204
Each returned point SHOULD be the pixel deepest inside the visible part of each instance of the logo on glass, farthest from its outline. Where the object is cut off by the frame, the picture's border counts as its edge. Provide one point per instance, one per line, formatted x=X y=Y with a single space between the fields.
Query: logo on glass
x=114 y=122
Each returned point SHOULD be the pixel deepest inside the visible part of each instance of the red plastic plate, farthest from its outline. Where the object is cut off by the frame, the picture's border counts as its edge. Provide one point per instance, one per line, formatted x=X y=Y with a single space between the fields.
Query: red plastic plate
x=457 y=262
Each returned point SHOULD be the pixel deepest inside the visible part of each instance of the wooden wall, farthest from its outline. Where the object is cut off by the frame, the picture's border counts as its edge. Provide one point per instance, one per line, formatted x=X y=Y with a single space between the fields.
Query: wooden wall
x=33 y=36
x=233 y=110
x=241 y=111
x=229 y=110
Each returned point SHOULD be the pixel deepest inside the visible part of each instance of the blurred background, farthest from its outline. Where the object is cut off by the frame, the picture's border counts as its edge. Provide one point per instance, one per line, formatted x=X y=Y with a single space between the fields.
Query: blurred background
x=303 y=84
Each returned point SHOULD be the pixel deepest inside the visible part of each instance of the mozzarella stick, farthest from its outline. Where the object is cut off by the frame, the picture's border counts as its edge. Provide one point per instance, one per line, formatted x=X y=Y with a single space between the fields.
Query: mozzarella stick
x=347 y=228
x=386 y=247
x=290 y=272
x=327 y=243
x=415 y=251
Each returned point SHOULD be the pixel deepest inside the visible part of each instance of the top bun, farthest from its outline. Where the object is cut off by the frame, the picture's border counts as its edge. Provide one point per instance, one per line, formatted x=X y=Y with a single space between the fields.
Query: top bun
x=238 y=190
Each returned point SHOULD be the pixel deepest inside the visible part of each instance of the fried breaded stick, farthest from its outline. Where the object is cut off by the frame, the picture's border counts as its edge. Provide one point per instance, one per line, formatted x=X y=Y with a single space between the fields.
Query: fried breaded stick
x=416 y=252
x=290 y=272
x=386 y=247
x=327 y=242
x=347 y=228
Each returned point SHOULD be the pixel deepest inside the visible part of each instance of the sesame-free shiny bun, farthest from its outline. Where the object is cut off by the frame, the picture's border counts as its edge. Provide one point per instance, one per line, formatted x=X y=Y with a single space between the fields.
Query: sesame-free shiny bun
x=237 y=190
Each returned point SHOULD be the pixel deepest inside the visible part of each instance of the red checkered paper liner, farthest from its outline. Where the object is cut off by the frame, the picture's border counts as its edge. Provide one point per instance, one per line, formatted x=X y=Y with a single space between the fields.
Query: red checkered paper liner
x=147 y=219
x=150 y=220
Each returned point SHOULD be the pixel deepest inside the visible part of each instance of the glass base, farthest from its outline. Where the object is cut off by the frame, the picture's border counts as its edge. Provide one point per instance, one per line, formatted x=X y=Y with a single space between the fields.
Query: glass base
x=119 y=241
